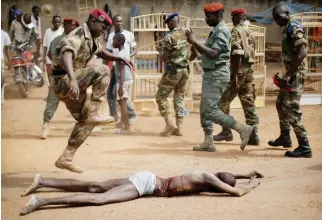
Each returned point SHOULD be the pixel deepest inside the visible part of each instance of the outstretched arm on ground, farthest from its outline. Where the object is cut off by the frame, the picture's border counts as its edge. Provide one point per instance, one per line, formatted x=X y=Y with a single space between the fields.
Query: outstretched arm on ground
x=220 y=186
x=249 y=175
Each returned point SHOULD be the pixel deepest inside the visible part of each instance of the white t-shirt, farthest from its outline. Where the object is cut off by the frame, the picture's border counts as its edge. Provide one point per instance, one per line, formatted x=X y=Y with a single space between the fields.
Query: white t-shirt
x=49 y=36
x=127 y=71
x=128 y=44
x=5 y=41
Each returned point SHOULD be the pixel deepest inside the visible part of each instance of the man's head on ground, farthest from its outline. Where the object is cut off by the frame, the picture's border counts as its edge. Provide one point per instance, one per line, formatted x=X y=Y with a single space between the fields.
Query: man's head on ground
x=18 y=13
x=227 y=178
x=214 y=13
x=56 y=22
x=281 y=14
x=118 y=40
x=238 y=16
x=172 y=21
x=98 y=22
x=36 y=11
x=118 y=23
x=69 y=25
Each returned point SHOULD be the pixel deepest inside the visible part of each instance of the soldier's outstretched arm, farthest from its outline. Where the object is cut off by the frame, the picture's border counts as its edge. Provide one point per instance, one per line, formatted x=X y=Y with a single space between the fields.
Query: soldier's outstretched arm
x=106 y=55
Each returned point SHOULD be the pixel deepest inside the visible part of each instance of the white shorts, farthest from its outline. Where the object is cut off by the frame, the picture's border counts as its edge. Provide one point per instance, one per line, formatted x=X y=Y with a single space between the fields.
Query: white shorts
x=144 y=182
x=126 y=90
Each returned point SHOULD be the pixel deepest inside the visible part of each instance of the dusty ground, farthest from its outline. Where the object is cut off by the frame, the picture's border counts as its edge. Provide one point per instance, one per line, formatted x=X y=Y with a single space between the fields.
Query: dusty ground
x=292 y=188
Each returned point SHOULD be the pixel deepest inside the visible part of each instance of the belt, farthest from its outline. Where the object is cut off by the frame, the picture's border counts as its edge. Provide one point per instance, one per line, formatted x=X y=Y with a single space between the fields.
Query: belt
x=217 y=67
x=177 y=66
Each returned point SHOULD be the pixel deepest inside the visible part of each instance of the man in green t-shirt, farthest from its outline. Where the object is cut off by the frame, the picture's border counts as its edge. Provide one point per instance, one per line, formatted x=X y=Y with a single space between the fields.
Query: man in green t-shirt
x=52 y=100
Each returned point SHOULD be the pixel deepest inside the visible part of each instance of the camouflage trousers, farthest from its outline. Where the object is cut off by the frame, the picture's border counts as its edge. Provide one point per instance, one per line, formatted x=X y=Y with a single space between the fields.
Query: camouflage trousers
x=246 y=94
x=176 y=82
x=212 y=90
x=95 y=76
x=288 y=108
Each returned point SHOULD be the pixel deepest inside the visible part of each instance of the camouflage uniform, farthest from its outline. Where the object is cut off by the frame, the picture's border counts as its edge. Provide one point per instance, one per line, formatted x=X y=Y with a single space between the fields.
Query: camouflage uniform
x=84 y=47
x=288 y=103
x=52 y=99
x=215 y=79
x=176 y=76
x=242 y=43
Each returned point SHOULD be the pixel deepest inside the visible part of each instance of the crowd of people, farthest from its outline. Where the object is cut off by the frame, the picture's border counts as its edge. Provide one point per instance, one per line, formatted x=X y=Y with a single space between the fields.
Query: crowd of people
x=227 y=60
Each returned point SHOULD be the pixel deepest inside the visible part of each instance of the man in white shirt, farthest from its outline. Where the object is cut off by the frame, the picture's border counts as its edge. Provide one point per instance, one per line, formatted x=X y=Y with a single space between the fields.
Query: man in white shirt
x=5 y=41
x=51 y=34
x=36 y=19
x=130 y=47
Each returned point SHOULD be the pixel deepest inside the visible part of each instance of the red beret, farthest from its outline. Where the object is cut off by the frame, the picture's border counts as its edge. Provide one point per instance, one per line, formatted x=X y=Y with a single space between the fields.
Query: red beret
x=101 y=15
x=212 y=8
x=72 y=21
x=236 y=11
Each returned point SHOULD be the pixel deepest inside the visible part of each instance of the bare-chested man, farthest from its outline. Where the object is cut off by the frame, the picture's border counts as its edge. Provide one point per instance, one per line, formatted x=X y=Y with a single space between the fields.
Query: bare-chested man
x=141 y=184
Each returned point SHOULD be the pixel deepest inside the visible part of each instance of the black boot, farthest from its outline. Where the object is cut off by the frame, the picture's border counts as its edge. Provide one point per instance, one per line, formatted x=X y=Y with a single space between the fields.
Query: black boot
x=303 y=150
x=254 y=139
x=224 y=135
x=283 y=140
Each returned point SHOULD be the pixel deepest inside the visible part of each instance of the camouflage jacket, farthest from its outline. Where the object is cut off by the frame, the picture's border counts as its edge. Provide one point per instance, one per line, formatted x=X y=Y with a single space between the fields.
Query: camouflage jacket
x=243 y=43
x=175 y=44
x=294 y=36
x=83 y=46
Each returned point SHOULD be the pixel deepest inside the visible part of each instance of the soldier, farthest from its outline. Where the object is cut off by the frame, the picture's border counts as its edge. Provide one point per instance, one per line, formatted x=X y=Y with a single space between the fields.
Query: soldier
x=52 y=100
x=292 y=85
x=175 y=52
x=71 y=78
x=242 y=79
x=215 y=62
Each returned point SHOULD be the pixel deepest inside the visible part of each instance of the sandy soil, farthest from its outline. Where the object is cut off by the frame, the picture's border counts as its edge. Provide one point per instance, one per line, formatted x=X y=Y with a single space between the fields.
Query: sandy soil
x=292 y=188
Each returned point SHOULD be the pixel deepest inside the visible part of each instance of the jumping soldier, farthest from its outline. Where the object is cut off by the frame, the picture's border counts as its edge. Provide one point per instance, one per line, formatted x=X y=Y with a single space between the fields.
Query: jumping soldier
x=71 y=78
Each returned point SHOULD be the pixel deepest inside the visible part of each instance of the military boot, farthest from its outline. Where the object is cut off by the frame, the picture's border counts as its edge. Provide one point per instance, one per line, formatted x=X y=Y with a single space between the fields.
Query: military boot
x=178 y=130
x=303 y=150
x=98 y=113
x=65 y=161
x=224 y=135
x=169 y=128
x=283 y=140
x=207 y=145
x=254 y=139
x=244 y=131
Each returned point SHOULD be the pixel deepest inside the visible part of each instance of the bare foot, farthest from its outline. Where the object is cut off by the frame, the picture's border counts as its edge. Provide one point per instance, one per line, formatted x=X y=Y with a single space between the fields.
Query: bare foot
x=34 y=186
x=31 y=206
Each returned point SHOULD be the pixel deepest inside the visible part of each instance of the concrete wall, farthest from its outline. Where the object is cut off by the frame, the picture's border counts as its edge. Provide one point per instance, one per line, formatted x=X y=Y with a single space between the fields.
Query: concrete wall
x=190 y=8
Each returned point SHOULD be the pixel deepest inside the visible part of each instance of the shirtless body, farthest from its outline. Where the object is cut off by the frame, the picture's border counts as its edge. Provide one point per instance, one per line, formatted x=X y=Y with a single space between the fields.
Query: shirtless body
x=141 y=184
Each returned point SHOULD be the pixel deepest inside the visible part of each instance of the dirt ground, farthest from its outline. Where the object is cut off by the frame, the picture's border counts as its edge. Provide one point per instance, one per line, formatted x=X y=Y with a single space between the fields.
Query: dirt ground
x=291 y=189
